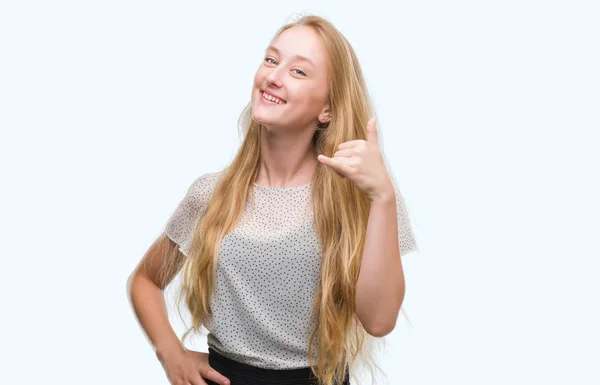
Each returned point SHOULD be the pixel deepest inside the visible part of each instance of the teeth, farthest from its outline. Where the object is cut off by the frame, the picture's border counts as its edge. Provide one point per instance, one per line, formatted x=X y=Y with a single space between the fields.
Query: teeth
x=272 y=98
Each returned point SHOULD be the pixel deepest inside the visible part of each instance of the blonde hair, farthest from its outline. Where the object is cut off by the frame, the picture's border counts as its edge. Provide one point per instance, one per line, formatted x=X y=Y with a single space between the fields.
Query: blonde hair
x=341 y=215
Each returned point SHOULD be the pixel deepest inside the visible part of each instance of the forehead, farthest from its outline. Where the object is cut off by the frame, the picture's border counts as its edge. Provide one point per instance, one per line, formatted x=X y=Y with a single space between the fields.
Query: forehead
x=301 y=40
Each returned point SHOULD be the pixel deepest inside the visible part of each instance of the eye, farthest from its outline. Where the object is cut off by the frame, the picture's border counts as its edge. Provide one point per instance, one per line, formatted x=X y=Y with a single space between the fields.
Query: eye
x=301 y=72
x=270 y=58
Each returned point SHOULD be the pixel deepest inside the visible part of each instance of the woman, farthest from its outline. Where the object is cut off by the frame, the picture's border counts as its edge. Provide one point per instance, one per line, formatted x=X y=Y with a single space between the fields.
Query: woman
x=286 y=251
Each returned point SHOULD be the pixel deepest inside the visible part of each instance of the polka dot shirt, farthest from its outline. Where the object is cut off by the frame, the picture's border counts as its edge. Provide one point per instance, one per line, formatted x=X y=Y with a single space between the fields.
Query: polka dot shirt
x=268 y=271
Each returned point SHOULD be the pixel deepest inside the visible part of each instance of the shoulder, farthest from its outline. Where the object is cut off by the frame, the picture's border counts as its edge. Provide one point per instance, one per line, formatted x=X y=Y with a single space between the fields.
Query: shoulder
x=201 y=189
x=205 y=182
x=181 y=224
x=406 y=234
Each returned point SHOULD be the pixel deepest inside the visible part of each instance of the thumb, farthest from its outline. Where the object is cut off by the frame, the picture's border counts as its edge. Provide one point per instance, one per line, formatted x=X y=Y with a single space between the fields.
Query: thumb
x=372 y=136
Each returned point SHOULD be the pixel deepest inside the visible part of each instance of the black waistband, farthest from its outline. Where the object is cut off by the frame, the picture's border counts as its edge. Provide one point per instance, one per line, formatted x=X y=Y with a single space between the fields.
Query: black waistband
x=243 y=374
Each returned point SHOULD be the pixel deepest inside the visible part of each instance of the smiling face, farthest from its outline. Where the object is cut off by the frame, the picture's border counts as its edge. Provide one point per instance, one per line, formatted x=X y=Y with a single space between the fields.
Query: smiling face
x=295 y=71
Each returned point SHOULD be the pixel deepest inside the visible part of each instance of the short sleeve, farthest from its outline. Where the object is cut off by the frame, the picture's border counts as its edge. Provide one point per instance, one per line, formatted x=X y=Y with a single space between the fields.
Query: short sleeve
x=406 y=236
x=181 y=225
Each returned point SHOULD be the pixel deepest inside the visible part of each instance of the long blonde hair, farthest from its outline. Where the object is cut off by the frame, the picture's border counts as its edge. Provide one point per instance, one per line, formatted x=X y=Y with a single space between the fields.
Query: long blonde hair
x=341 y=212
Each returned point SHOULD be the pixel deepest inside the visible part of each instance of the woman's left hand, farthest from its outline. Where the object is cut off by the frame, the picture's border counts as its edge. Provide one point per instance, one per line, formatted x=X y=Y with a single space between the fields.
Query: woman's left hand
x=360 y=161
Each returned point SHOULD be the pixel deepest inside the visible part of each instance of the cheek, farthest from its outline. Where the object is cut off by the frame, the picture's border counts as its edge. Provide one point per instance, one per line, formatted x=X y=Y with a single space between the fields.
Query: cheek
x=310 y=98
x=258 y=82
x=259 y=76
x=257 y=79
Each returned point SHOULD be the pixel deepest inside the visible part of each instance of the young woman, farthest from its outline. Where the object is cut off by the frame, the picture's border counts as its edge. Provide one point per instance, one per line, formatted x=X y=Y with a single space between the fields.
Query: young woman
x=294 y=247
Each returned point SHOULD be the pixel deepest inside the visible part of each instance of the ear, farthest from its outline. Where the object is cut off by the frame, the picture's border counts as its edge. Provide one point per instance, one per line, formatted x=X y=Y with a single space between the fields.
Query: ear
x=325 y=115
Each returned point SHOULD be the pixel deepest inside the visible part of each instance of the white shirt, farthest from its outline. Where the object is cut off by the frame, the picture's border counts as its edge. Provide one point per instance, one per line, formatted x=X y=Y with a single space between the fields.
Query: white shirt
x=268 y=271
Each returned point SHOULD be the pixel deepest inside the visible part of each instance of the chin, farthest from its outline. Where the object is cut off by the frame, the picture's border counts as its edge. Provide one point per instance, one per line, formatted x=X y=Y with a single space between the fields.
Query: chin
x=260 y=117
x=267 y=124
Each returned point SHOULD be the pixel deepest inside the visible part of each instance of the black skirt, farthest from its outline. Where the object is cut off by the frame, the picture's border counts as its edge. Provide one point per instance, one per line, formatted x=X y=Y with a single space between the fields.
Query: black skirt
x=243 y=374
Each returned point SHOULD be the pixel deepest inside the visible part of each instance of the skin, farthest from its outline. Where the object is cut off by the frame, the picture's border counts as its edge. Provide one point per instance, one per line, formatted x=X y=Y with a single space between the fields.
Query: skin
x=287 y=157
x=288 y=160
x=145 y=291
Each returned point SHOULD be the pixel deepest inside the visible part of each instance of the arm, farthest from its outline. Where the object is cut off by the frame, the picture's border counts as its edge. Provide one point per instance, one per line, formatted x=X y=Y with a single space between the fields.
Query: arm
x=381 y=287
x=145 y=292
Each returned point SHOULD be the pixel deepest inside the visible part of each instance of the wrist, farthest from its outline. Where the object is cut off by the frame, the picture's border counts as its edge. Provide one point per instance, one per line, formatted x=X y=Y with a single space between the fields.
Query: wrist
x=385 y=195
x=164 y=350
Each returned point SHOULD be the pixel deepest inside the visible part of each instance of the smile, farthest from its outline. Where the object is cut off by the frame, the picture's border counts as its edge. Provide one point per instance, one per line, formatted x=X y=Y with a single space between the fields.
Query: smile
x=272 y=99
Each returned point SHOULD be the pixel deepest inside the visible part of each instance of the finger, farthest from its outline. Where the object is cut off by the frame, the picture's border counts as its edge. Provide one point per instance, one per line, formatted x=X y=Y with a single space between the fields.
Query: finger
x=199 y=380
x=203 y=381
x=340 y=165
x=215 y=376
x=349 y=144
x=344 y=153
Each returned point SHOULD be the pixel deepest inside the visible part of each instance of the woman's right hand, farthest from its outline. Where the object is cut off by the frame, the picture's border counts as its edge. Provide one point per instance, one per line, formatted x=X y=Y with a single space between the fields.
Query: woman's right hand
x=185 y=367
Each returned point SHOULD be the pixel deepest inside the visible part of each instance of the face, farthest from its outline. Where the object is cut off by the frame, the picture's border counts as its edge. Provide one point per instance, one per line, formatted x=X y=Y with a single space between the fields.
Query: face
x=294 y=71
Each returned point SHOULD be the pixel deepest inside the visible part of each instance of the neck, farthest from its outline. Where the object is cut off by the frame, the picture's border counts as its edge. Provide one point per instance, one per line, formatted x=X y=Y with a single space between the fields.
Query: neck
x=286 y=160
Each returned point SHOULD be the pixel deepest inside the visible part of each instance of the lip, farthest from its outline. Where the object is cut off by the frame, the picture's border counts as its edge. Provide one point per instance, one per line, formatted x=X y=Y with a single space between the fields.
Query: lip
x=272 y=94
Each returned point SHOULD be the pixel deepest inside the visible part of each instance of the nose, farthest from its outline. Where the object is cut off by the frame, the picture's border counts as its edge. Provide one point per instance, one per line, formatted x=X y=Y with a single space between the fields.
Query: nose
x=274 y=77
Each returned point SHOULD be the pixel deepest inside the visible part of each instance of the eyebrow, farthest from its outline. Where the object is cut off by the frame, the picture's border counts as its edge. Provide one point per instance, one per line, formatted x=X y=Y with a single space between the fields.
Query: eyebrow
x=300 y=57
